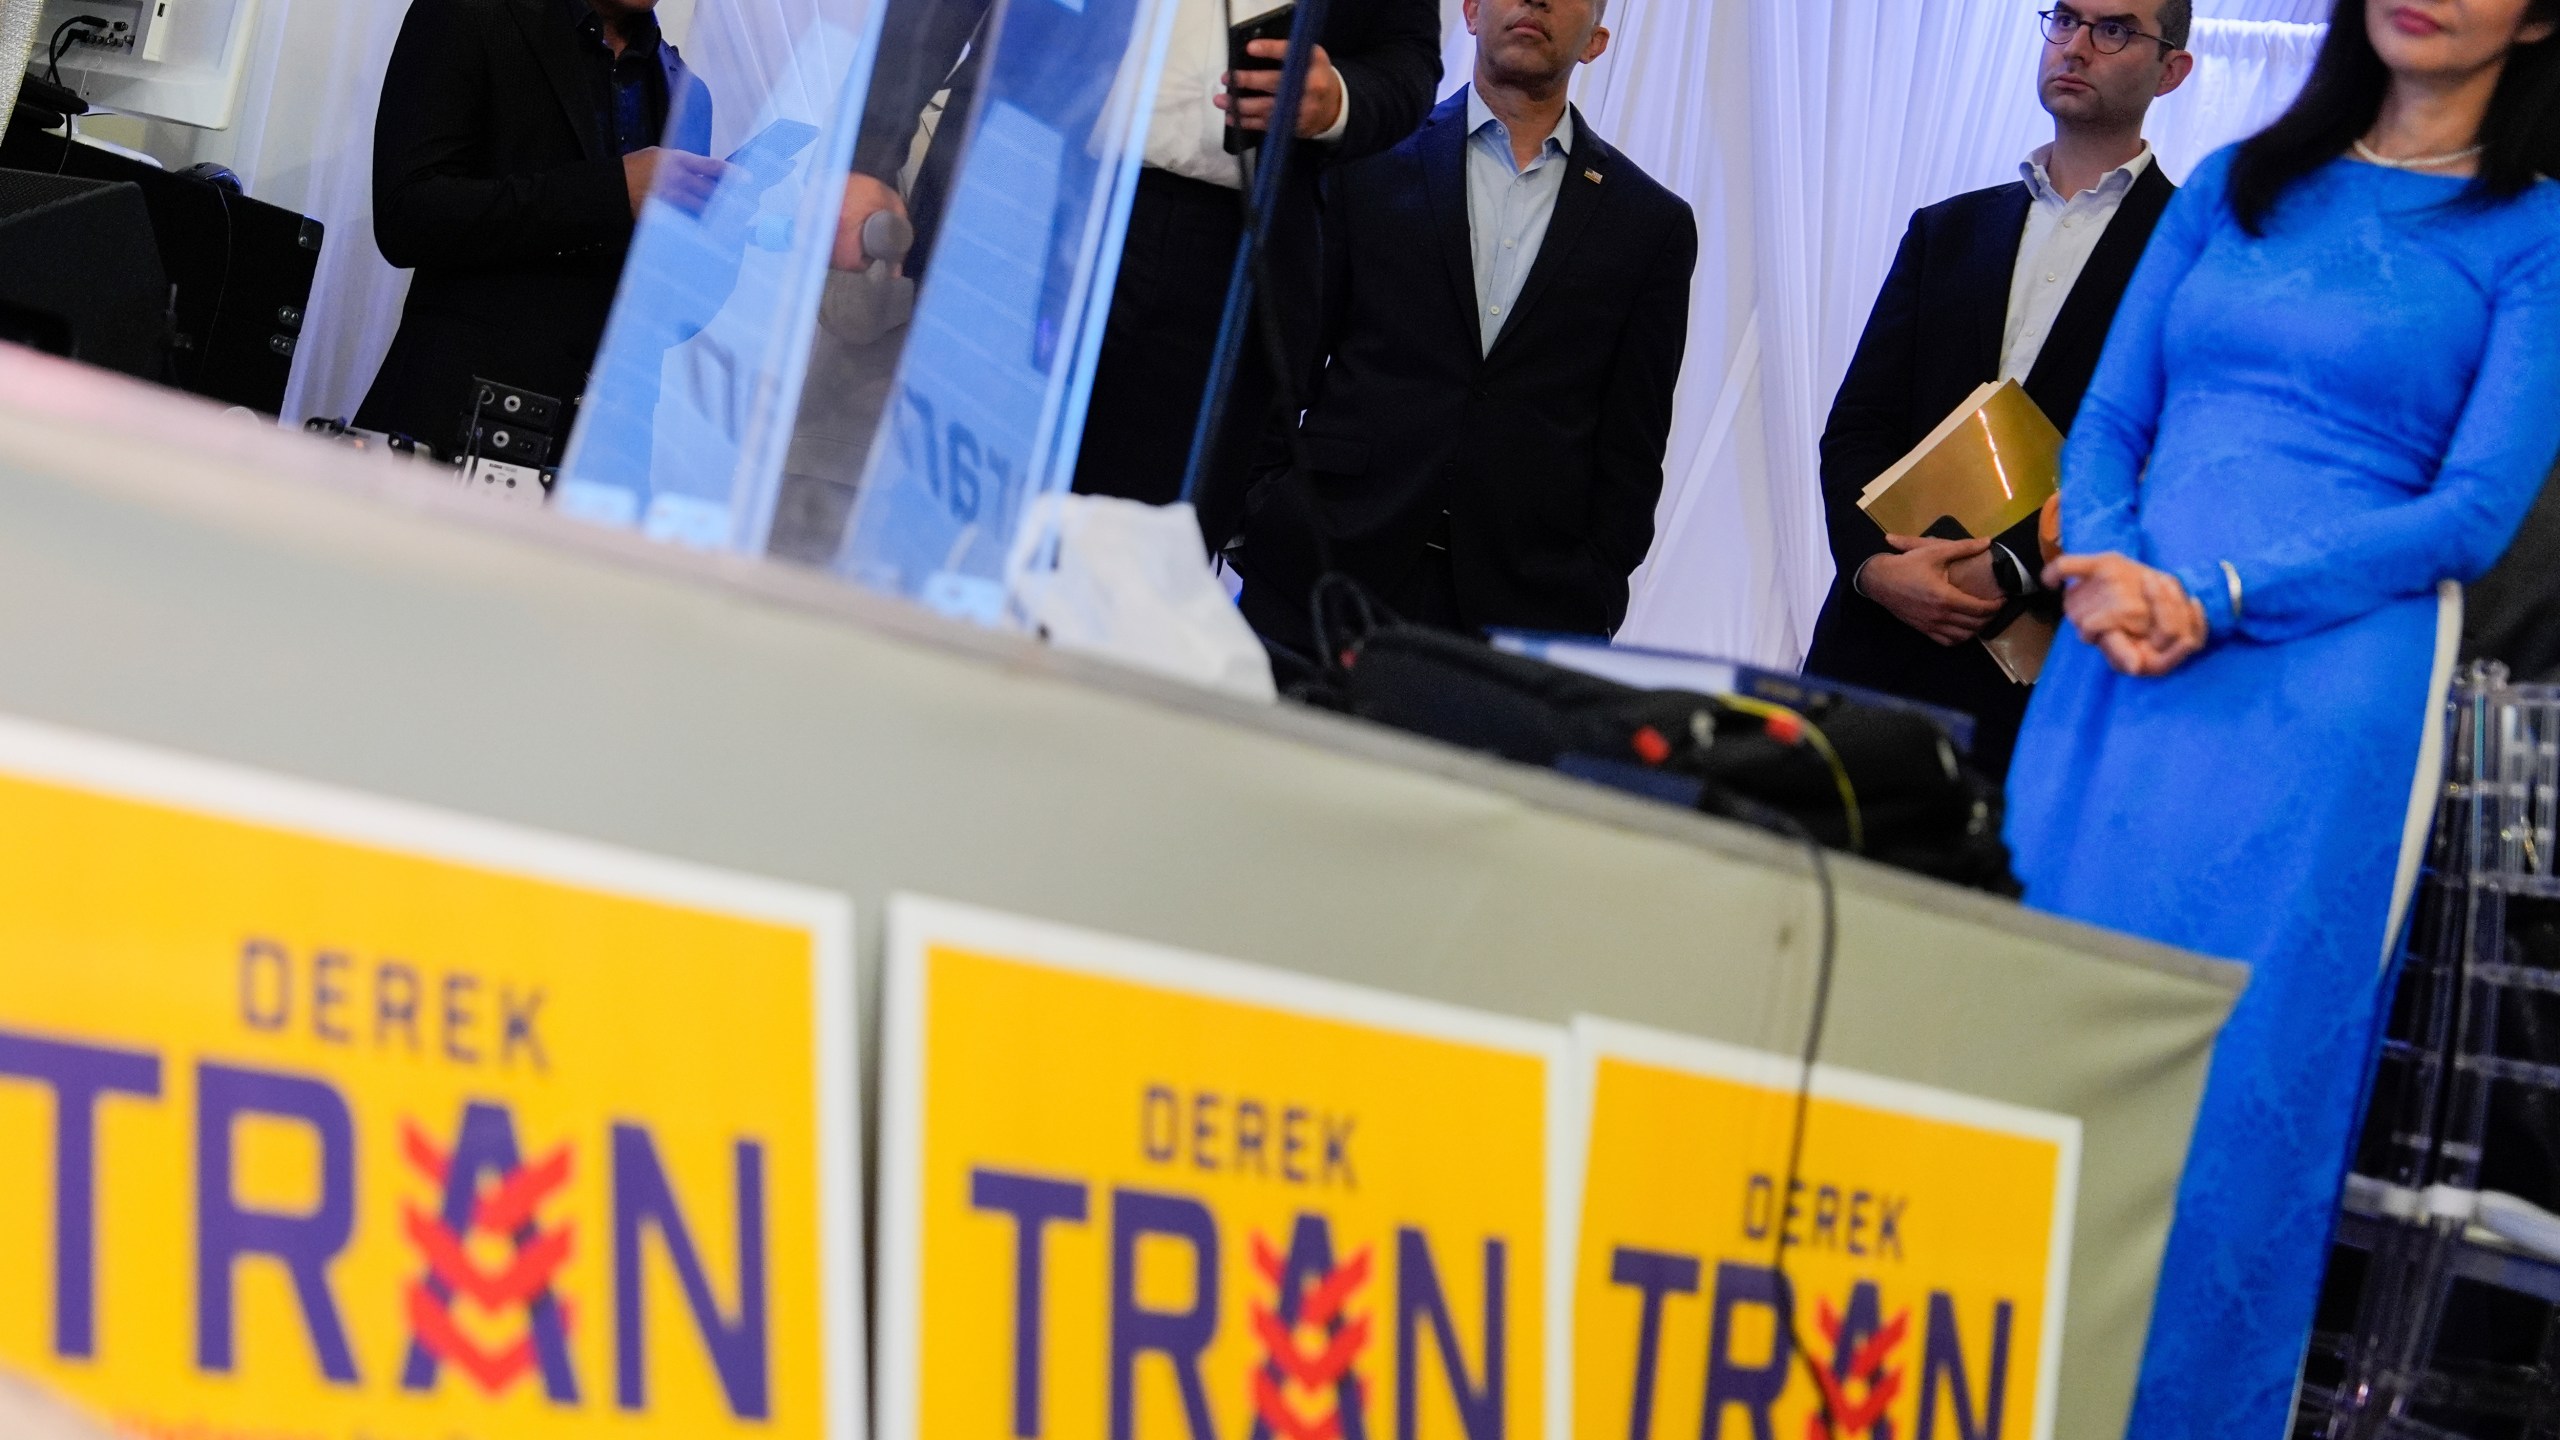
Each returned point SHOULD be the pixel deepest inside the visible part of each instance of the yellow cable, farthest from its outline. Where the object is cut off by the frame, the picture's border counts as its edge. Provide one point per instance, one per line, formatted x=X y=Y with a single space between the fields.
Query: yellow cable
x=1768 y=710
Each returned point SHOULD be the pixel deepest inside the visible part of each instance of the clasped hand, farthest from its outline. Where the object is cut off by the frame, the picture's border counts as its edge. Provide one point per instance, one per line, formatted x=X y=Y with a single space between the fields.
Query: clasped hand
x=1941 y=588
x=2141 y=619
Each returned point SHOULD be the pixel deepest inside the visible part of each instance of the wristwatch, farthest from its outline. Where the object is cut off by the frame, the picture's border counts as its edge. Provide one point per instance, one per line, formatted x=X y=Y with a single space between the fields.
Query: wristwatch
x=2010 y=576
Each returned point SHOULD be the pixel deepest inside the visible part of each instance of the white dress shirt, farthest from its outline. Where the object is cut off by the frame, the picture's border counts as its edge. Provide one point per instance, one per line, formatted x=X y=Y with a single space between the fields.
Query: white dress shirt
x=2061 y=235
x=1508 y=209
x=1187 y=134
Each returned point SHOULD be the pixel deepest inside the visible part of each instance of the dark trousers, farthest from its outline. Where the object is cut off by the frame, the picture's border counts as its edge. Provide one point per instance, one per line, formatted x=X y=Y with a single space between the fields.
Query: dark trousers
x=1156 y=351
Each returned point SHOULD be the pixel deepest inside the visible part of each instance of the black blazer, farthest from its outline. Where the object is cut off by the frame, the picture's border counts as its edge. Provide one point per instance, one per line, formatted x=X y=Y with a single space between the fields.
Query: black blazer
x=494 y=180
x=1388 y=52
x=1933 y=338
x=1546 y=452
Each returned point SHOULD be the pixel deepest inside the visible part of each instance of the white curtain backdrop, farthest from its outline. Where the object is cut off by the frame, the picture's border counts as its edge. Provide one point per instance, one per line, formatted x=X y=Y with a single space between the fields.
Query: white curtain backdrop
x=2247 y=72
x=304 y=140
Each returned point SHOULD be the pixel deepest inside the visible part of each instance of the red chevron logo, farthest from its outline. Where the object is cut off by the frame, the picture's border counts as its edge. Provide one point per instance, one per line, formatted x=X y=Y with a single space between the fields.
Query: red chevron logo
x=1315 y=1370
x=1865 y=1370
x=506 y=1211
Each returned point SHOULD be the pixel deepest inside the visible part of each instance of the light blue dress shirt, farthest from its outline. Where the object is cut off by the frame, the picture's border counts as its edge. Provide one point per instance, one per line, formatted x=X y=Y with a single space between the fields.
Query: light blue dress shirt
x=1508 y=209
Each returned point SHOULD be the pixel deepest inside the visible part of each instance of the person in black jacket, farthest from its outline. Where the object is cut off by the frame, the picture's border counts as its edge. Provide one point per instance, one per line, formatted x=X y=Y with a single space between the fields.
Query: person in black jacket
x=1506 y=302
x=2016 y=282
x=516 y=142
x=2513 y=615
x=1369 y=85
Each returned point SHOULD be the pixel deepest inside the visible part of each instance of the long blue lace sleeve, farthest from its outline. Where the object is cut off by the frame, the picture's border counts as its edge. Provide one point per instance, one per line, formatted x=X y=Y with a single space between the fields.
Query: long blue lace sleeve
x=2111 y=440
x=2502 y=451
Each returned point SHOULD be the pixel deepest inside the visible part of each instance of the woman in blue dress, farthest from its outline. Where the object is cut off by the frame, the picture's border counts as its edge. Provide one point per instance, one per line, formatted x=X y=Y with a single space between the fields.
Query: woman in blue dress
x=2333 y=389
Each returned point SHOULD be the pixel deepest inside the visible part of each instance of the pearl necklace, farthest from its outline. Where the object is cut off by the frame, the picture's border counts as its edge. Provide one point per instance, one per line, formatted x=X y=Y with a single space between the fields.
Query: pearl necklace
x=2420 y=162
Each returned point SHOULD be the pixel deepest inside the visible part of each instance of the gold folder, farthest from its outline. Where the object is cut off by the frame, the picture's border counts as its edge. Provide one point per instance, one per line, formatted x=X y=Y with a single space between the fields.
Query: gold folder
x=1987 y=466
x=2020 y=647
x=1991 y=464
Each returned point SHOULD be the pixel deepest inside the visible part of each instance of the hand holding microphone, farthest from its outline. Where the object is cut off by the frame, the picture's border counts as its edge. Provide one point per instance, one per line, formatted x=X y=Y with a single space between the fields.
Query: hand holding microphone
x=859 y=240
x=887 y=237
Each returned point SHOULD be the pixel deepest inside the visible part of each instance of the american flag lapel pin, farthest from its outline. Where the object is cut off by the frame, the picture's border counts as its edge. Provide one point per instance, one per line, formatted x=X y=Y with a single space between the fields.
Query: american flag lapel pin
x=1591 y=175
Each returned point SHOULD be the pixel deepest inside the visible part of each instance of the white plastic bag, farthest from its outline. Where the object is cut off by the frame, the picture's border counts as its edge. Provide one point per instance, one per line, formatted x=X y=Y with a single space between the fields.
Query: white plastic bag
x=1130 y=582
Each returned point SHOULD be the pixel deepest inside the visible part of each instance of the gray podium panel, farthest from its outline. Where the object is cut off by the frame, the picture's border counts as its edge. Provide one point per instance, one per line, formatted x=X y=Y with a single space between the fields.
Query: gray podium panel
x=177 y=579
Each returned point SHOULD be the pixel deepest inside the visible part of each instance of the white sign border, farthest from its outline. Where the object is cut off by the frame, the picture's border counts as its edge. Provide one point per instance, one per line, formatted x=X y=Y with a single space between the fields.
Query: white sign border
x=1596 y=1038
x=916 y=922
x=125 y=770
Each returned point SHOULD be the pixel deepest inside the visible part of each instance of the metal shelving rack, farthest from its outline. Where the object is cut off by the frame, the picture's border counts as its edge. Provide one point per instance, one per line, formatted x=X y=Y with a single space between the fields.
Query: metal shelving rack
x=2417 y=1214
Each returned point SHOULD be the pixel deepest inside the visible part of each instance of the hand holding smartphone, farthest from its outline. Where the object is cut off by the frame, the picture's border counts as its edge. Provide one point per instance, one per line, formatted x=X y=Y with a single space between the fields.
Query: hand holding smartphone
x=1269 y=25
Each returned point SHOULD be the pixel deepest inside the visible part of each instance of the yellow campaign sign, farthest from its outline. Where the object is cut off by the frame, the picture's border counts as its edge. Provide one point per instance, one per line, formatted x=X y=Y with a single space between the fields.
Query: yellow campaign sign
x=1927 y=1239
x=1131 y=1194
x=324 y=1117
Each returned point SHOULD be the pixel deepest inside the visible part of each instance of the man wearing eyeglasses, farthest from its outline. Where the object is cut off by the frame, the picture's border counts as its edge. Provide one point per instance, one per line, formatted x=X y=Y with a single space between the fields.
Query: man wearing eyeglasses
x=2017 y=282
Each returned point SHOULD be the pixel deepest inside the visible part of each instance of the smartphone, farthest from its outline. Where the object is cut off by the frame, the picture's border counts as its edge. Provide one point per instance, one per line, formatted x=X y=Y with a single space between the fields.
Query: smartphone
x=1269 y=25
x=768 y=156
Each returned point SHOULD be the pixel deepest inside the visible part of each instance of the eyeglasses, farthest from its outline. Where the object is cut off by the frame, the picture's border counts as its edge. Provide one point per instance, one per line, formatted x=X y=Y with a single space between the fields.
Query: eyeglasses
x=2110 y=36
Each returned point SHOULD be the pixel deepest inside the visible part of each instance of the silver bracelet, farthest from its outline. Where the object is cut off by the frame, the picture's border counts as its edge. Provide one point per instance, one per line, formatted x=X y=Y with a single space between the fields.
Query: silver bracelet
x=2231 y=582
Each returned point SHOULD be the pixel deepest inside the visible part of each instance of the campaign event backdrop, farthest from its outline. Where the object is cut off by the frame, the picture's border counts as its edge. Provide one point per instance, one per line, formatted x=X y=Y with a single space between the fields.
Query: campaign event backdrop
x=1928 y=1241
x=1127 y=1191
x=331 y=1117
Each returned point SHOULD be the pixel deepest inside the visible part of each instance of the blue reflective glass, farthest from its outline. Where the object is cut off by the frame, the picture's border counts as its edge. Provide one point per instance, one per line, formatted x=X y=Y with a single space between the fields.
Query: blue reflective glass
x=989 y=395
x=747 y=392
x=690 y=403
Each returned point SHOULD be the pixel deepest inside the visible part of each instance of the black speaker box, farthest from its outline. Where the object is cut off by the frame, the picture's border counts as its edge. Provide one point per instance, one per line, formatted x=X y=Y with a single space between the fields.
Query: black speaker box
x=243 y=269
x=79 y=273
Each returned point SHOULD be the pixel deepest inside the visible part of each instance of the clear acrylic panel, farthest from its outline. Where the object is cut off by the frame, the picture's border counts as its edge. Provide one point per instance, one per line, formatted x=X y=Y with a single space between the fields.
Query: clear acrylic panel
x=986 y=400
x=690 y=402
x=748 y=391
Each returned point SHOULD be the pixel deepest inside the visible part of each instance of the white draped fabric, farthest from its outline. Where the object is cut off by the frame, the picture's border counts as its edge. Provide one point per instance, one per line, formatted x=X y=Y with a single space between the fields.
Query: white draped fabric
x=305 y=141
x=2247 y=72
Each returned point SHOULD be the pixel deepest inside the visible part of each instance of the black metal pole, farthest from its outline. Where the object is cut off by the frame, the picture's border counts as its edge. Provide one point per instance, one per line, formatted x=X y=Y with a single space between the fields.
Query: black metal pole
x=1276 y=145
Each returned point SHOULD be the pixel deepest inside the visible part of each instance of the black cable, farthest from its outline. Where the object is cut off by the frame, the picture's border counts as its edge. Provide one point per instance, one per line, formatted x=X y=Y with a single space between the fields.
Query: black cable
x=53 y=75
x=1826 y=955
x=53 y=51
x=222 y=292
x=1825 y=965
x=1367 y=611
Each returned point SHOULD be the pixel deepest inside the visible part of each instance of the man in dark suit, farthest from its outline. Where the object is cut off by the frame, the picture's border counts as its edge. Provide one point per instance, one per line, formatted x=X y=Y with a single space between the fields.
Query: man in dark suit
x=2017 y=282
x=1369 y=83
x=516 y=142
x=1506 y=307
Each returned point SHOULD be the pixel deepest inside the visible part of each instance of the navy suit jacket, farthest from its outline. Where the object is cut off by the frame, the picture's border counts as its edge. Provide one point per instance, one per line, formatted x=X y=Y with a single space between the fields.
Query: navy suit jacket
x=1933 y=338
x=1546 y=452
x=494 y=179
